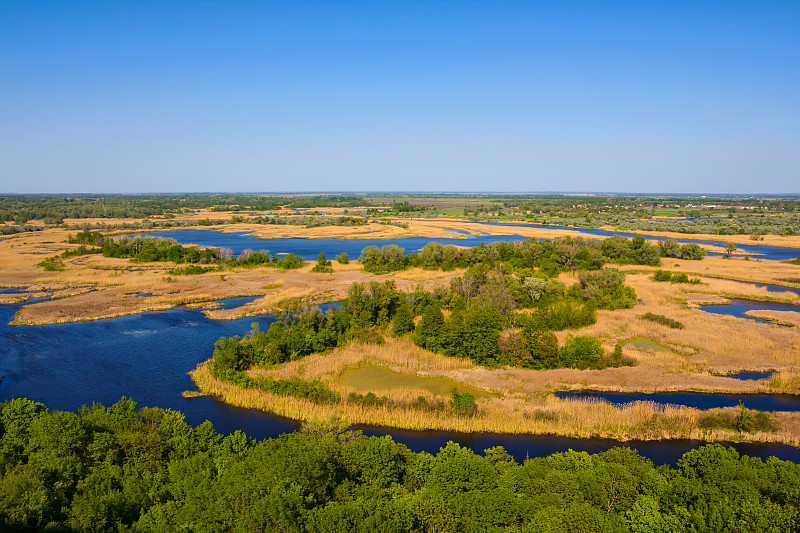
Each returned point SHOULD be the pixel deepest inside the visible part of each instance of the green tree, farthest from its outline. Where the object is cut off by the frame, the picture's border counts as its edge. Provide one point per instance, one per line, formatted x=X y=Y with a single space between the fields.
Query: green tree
x=428 y=331
x=323 y=265
x=541 y=345
x=403 y=320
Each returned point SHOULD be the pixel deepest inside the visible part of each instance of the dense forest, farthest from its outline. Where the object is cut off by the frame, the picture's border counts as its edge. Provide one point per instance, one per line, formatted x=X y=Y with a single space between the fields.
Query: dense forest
x=129 y=469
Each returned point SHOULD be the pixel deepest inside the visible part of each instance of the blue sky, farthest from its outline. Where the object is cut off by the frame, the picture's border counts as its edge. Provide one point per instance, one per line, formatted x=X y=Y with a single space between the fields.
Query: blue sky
x=679 y=96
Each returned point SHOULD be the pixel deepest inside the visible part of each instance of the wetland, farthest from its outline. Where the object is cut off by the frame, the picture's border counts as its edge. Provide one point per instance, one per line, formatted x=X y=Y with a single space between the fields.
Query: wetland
x=147 y=327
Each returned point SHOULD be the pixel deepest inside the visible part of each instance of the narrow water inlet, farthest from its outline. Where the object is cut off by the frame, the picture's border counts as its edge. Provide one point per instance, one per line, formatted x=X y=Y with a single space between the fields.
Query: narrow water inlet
x=697 y=400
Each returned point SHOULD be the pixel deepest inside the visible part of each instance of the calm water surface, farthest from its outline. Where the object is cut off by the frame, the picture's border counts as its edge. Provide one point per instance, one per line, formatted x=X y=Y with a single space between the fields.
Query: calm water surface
x=310 y=248
x=146 y=357
x=745 y=376
x=698 y=400
x=738 y=308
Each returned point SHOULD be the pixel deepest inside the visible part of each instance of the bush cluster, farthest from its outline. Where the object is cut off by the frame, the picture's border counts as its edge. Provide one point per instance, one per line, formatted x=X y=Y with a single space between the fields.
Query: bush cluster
x=674 y=277
x=550 y=257
x=663 y=320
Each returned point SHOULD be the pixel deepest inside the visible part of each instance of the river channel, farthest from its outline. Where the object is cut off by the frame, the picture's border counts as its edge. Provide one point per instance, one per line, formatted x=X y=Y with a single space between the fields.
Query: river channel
x=310 y=248
x=146 y=357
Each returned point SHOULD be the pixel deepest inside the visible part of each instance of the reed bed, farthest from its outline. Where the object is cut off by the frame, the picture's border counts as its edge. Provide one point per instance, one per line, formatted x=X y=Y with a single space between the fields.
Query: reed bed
x=786 y=382
x=270 y=303
x=549 y=415
x=733 y=269
x=370 y=231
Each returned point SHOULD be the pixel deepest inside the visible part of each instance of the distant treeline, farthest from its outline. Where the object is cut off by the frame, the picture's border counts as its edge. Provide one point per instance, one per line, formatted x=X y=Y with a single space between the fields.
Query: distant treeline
x=126 y=469
x=146 y=249
x=307 y=221
x=53 y=209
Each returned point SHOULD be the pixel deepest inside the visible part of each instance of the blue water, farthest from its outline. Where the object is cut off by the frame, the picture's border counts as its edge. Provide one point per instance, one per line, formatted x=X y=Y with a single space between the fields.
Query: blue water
x=738 y=308
x=11 y=290
x=776 y=288
x=146 y=357
x=761 y=251
x=309 y=249
x=698 y=400
x=745 y=376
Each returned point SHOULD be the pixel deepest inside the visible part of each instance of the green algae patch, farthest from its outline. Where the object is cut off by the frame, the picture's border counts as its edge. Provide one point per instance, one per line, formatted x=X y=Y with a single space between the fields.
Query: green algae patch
x=374 y=378
x=647 y=345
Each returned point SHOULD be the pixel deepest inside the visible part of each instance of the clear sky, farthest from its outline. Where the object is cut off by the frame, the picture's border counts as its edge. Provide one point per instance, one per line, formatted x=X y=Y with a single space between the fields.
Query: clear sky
x=672 y=96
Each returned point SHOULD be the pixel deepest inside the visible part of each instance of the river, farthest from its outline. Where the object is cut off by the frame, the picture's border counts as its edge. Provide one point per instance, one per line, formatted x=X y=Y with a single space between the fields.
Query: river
x=146 y=357
x=309 y=248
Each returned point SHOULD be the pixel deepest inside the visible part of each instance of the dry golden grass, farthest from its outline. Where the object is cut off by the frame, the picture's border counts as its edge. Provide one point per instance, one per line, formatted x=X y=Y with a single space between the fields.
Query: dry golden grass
x=524 y=405
x=271 y=303
x=731 y=269
x=399 y=354
x=723 y=343
x=421 y=275
x=784 y=318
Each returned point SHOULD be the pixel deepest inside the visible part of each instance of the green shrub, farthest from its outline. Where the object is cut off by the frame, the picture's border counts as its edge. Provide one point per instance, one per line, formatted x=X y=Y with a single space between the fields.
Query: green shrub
x=617 y=359
x=52 y=264
x=191 y=270
x=662 y=275
x=403 y=320
x=323 y=265
x=81 y=250
x=581 y=352
x=661 y=319
x=462 y=404
x=750 y=421
x=289 y=261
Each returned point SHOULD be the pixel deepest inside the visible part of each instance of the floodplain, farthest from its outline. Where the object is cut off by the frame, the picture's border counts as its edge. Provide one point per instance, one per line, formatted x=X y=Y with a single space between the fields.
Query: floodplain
x=696 y=357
